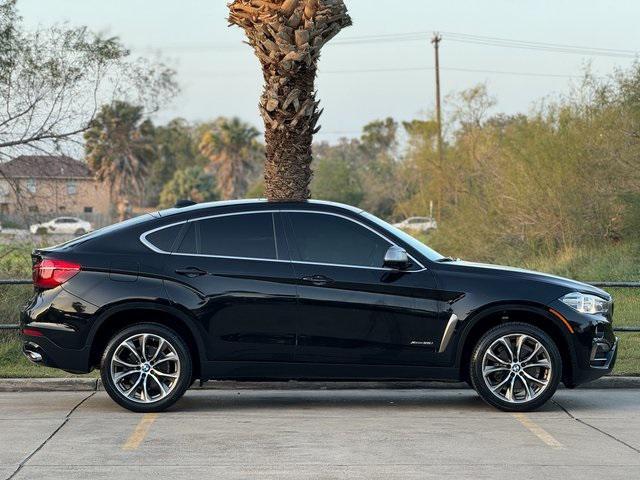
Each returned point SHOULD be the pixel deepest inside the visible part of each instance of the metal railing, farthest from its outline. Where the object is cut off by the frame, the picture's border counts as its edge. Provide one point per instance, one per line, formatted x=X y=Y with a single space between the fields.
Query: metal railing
x=595 y=284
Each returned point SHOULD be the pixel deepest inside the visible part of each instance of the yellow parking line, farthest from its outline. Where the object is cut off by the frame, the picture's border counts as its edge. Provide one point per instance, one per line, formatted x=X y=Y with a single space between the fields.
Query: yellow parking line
x=538 y=431
x=138 y=435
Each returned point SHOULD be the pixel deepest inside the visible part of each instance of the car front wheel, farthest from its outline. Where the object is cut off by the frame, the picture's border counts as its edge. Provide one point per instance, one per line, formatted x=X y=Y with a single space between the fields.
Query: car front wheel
x=146 y=368
x=516 y=367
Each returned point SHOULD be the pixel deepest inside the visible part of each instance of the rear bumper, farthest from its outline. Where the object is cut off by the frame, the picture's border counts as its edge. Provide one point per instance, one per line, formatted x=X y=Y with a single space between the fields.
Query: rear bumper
x=53 y=327
x=42 y=351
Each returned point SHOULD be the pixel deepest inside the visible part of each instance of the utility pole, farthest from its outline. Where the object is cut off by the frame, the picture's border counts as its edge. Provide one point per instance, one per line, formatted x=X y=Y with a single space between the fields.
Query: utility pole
x=435 y=40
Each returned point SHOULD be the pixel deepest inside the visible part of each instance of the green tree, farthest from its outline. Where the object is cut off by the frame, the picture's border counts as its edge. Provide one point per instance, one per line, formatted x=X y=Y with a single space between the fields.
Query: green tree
x=119 y=147
x=419 y=173
x=337 y=172
x=233 y=152
x=191 y=183
x=562 y=177
x=380 y=138
x=176 y=149
x=379 y=172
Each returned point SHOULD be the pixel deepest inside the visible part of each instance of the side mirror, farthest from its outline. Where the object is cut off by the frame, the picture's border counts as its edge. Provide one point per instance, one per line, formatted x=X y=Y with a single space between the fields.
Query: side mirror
x=397 y=258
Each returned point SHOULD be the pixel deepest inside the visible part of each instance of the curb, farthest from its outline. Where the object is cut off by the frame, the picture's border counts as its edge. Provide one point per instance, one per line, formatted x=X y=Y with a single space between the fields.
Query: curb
x=95 y=384
x=48 y=384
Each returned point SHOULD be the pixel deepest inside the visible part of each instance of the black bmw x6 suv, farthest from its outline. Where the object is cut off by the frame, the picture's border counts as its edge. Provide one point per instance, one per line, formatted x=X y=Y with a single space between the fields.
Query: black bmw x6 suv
x=252 y=290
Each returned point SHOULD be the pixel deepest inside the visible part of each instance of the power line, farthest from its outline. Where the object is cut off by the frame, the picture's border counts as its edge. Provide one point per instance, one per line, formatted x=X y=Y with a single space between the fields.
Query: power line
x=500 y=41
x=482 y=40
x=408 y=69
x=494 y=41
x=451 y=69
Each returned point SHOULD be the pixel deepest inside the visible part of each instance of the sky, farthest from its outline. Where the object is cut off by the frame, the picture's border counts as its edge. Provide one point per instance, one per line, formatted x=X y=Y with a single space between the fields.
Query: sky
x=360 y=81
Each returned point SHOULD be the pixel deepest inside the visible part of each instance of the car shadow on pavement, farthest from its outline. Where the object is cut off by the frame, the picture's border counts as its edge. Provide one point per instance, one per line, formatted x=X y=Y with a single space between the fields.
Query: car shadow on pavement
x=242 y=400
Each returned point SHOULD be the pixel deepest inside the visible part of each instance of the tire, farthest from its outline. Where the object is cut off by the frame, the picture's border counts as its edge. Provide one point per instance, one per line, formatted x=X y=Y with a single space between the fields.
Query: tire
x=80 y=231
x=522 y=384
x=161 y=380
x=42 y=231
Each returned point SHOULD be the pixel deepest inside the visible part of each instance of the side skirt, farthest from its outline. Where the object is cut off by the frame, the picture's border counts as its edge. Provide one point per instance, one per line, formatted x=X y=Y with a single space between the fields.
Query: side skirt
x=316 y=371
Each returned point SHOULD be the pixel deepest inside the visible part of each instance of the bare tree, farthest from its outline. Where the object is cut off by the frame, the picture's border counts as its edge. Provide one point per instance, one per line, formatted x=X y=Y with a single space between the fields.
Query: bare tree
x=52 y=82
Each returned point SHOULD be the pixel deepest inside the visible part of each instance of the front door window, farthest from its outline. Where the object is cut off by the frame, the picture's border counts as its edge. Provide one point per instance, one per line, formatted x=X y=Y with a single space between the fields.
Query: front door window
x=330 y=239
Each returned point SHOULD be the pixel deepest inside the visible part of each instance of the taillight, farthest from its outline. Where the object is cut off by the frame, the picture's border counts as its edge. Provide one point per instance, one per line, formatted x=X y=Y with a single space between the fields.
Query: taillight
x=31 y=332
x=51 y=273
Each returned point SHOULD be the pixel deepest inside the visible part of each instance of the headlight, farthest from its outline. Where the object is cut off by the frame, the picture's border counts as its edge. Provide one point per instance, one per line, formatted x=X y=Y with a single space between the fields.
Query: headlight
x=585 y=303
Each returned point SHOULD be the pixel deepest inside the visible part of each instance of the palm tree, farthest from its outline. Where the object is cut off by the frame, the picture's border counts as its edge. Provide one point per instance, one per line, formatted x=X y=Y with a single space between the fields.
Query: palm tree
x=119 y=148
x=287 y=36
x=232 y=149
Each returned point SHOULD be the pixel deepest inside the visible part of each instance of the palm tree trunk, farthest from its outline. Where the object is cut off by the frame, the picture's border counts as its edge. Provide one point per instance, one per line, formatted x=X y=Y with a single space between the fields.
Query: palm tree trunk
x=287 y=36
x=287 y=169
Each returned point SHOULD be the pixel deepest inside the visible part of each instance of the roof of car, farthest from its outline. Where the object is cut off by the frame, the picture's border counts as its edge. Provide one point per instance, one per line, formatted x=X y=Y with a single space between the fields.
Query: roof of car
x=256 y=202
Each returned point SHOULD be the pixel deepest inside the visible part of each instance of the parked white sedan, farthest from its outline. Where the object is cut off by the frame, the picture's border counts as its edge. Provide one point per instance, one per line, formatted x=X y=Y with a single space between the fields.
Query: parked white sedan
x=62 y=225
x=422 y=224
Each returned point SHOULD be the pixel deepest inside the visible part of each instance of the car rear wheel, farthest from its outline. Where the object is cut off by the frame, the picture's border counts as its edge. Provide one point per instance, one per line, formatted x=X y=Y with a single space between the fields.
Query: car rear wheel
x=80 y=231
x=516 y=367
x=146 y=368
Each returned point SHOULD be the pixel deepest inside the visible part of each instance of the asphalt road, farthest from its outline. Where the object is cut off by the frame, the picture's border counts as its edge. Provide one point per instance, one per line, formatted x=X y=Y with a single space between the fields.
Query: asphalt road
x=300 y=434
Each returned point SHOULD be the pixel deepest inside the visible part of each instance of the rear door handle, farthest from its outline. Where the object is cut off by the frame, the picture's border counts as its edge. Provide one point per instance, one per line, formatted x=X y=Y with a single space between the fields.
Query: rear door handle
x=191 y=272
x=318 y=280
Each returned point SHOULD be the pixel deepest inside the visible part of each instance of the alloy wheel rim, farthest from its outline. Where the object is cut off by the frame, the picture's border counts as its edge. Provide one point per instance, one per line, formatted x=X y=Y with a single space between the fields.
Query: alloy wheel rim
x=145 y=368
x=517 y=368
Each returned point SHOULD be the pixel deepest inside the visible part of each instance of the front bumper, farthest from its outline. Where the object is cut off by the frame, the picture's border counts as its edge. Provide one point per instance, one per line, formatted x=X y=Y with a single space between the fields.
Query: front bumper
x=593 y=346
x=603 y=354
x=597 y=364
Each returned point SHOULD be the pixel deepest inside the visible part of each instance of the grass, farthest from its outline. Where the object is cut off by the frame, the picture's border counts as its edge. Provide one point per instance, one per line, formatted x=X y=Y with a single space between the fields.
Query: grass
x=628 y=362
x=609 y=262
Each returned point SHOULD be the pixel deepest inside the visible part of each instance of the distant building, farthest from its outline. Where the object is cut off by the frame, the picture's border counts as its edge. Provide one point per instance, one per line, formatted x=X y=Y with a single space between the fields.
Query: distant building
x=45 y=186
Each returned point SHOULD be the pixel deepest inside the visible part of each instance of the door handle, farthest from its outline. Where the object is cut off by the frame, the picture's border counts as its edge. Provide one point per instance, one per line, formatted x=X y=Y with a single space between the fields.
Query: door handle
x=191 y=272
x=318 y=280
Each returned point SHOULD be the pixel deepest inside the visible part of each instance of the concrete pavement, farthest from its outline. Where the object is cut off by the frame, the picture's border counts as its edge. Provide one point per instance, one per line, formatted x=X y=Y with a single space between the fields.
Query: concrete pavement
x=368 y=434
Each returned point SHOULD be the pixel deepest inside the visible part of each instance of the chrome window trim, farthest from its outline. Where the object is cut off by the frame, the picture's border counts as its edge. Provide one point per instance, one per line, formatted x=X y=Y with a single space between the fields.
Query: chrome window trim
x=151 y=246
x=145 y=242
x=148 y=244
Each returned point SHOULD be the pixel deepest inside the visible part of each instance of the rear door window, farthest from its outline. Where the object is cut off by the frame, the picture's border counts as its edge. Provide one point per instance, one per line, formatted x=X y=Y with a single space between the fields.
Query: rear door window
x=189 y=245
x=164 y=239
x=241 y=236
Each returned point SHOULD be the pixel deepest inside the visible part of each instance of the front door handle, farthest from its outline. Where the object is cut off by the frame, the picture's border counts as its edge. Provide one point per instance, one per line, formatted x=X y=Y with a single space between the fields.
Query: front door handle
x=318 y=280
x=191 y=272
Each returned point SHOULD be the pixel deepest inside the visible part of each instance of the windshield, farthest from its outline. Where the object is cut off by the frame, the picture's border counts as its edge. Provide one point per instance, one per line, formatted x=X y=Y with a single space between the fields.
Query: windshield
x=405 y=237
